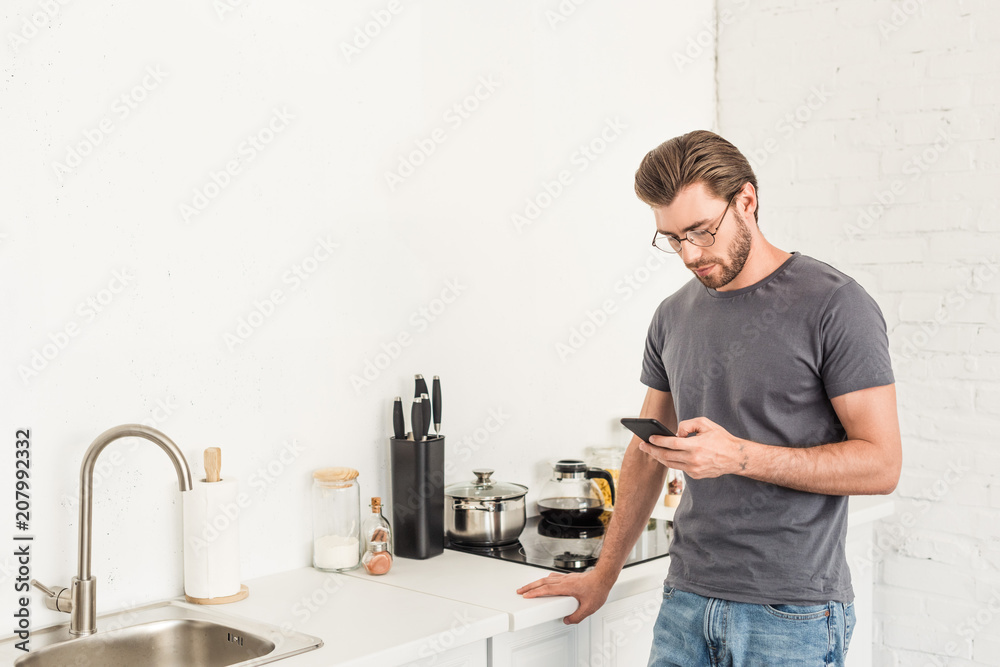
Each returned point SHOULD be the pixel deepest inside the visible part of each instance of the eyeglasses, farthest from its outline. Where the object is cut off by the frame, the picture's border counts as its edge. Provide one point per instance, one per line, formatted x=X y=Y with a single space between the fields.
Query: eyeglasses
x=697 y=237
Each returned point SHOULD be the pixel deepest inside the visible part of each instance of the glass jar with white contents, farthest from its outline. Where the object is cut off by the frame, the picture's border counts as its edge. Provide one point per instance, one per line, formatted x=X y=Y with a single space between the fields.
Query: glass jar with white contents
x=336 y=505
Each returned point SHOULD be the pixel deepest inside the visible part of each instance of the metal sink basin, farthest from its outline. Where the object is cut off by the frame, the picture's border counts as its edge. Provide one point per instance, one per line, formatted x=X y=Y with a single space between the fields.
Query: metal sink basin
x=167 y=634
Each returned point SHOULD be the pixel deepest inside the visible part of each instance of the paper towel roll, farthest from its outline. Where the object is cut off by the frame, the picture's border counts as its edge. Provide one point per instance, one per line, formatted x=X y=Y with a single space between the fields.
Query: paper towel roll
x=211 y=539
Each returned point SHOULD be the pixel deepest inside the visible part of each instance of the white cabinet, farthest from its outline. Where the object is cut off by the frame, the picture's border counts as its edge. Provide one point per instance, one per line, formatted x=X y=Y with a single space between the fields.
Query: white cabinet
x=621 y=632
x=618 y=634
x=859 y=553
x=551 y=644
x=470 y=655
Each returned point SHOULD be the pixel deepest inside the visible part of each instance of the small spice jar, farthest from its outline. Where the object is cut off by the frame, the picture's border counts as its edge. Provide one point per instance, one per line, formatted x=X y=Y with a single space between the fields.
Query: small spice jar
x=377 y=560
x=376 y=527
x=336 y=505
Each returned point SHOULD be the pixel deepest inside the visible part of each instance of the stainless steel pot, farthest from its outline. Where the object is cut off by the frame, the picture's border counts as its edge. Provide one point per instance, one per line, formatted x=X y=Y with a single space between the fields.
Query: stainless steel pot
x=484 y=512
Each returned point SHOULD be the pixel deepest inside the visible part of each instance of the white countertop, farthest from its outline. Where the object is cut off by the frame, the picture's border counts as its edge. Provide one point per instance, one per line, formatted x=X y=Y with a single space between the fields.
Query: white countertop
x=423 y=606
x=865 y=509
x=490 y=582
x=362 y=622
x=445 y=601
x=417 y=609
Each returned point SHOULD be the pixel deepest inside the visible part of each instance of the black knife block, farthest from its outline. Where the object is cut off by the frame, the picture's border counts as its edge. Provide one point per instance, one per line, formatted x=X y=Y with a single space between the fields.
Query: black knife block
x=417 y=470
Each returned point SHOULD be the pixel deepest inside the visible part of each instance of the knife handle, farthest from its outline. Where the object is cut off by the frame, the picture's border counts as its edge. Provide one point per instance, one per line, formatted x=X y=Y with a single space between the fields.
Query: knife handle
x=425 y=403
x=420 y=385
x=417 y=419
x=436 y=403
x=398 y=423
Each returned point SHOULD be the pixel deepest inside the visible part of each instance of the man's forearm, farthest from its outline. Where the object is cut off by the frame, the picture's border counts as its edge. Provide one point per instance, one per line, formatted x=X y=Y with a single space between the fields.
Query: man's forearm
x=851 y=467
x=642 y=479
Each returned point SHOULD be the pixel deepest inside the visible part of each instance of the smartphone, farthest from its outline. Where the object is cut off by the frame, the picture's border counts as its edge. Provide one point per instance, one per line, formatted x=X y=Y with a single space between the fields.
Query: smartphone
x=646 y=427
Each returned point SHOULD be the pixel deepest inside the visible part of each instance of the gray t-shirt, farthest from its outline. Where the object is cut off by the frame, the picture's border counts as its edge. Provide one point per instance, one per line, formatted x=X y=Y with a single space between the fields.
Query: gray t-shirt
x=763 y=362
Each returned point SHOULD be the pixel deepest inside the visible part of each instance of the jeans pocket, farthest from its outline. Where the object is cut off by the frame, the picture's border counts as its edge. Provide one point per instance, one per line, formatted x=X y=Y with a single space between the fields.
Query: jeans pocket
x=796 y=612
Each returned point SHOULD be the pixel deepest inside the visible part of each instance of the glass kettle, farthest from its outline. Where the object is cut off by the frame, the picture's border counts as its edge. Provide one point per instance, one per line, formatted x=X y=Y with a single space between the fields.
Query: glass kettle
x=572 y=497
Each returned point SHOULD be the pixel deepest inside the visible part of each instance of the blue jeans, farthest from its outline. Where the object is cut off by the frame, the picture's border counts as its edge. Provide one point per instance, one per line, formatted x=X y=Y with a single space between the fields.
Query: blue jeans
x=692 y=631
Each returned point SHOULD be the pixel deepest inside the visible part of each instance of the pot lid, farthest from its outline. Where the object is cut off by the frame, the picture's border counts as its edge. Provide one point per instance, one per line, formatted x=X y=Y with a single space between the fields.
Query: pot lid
x=484 y=488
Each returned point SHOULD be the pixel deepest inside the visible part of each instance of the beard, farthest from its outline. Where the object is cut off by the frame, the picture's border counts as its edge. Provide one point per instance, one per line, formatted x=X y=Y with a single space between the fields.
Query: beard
x=732 y=264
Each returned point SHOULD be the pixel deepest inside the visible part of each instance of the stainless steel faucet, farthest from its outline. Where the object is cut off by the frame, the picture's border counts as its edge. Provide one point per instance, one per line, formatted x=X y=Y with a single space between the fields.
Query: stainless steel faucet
x=80 y=600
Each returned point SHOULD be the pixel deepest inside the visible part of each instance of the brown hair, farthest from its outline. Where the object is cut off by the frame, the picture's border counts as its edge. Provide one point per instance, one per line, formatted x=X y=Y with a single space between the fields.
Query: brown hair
x=699 y=156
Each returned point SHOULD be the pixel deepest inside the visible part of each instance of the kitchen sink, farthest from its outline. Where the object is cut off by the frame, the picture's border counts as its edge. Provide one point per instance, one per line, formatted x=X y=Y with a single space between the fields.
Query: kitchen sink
x=166 y=634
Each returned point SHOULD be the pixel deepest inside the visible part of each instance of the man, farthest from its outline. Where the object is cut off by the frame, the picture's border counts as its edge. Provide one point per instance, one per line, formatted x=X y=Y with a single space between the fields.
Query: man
x=773 y=370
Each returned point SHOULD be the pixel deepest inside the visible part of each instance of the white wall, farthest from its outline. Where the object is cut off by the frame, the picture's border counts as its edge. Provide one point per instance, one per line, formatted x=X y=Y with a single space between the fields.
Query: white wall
x=873 y=127
x=282 y=403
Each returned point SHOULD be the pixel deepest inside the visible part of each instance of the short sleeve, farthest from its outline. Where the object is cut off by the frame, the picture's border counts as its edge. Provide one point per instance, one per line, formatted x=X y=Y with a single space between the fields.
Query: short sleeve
x=855 y=346
x=654 y=374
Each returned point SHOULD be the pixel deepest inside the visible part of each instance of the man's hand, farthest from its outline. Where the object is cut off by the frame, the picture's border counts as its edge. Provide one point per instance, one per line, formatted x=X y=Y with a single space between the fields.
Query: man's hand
x=589 y=589
x=710 y=451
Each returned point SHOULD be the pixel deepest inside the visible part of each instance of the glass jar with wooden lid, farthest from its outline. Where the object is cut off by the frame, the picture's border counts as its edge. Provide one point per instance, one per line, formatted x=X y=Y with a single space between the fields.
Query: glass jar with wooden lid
x=336 y=506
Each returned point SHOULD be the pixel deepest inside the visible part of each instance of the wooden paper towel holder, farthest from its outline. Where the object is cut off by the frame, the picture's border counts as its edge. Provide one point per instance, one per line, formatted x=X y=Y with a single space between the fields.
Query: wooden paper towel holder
x=213 y=466
x=235 y=597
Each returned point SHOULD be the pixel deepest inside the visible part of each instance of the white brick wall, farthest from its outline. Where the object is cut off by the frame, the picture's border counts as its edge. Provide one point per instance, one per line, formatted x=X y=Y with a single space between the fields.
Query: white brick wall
x=893 y=178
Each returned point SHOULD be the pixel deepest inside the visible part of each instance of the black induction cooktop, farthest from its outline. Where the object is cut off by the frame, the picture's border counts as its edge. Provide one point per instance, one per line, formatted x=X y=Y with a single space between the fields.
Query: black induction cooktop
x=572 y=548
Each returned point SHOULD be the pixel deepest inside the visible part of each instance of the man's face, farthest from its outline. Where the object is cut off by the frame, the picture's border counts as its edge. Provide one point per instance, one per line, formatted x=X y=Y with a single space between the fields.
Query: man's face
x=694 y=208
